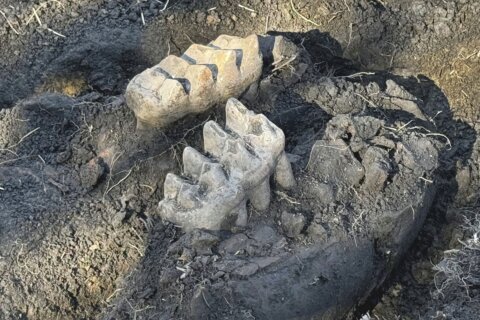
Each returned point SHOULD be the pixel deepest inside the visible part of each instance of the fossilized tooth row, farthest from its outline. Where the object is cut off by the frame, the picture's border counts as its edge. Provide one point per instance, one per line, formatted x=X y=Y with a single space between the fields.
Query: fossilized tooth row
x=201 y=77
x=216 y=189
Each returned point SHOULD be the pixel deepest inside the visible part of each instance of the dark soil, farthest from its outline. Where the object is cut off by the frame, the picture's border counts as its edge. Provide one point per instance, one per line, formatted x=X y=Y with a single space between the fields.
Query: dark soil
x=79 y=236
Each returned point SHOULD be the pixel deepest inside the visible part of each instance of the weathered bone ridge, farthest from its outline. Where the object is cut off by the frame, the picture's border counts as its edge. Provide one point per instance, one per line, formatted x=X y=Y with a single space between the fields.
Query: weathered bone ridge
x=195 y=81
x=242 y=157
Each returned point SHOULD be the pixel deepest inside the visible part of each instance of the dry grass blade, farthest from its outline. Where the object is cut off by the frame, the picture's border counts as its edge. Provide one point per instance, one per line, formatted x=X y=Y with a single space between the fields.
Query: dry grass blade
x=143 y=17
x=9 y=23
x=367 y=100
x=36 y=16
x=25 y=136
x=165 y=6
x=302 y=16
x=461 y=267
x=118 y=183
x=12 y=160
x=286 y=197
x=19 y=141
x=246 y=8
x=56 y=33
x=282 y=65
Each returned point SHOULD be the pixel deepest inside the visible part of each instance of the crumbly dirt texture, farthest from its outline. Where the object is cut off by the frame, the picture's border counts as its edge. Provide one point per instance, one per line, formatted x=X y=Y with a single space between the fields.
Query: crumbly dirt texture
x=80 y=237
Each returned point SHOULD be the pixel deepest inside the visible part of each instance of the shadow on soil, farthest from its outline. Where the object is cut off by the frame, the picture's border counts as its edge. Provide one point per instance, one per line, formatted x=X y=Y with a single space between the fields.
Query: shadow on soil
x=110 y=58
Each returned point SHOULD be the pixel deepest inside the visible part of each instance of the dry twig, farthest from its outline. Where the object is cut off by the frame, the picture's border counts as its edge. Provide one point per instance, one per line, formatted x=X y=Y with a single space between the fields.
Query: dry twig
x=56 y=33
x=246 y=8
x=302 y=16
x=9 y=23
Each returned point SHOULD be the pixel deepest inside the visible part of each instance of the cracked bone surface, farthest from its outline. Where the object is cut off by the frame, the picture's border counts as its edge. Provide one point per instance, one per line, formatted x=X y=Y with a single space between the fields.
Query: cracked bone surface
x=195 y=81
x=242 y=157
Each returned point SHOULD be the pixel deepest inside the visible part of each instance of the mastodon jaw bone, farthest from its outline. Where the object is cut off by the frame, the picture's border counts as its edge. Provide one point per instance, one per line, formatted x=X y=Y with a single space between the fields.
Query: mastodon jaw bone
x=192 y=83
x=215 y=189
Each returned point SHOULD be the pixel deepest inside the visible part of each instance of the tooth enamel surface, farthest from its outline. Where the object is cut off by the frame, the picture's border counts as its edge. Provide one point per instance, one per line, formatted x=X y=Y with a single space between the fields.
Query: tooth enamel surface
x=202 y=77
x=240 y=161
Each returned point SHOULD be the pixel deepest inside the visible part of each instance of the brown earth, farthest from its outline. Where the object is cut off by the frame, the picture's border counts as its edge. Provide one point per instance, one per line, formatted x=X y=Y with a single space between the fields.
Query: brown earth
x=69 y=245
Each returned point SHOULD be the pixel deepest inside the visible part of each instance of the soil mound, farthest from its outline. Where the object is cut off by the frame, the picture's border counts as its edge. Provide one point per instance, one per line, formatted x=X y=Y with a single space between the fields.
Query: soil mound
x=81 y=233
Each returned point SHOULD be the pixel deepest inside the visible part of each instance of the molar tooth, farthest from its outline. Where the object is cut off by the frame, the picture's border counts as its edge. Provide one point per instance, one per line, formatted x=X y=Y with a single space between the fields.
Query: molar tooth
x=172 y=186
x=244 y=122
x=236 y=115
x=197 y=53
x=228 y=76
x=214 y=138
x=202 y=84
x=172 y=90
x=236 y=151
x=252 y=56
x=151 y=80
x=194 y=82
x=250 y=53
x=217 y=199
x=212 y=176
x=188 y=196
x=193 y=162
x=174 y=66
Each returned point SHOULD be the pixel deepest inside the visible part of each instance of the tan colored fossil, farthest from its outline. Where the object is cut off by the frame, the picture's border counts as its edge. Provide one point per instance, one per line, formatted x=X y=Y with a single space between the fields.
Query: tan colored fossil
x=193 y=82
x=241 y=160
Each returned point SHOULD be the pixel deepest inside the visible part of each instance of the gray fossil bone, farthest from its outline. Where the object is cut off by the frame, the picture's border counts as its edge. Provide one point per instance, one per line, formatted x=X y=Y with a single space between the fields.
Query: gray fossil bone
x=193 y=82
x=242 y=157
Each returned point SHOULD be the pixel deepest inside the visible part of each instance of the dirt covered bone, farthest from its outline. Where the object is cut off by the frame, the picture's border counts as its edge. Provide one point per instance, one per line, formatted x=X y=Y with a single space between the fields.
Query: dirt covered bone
x=192 y=83
x=215 y=194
